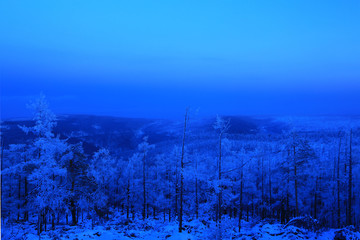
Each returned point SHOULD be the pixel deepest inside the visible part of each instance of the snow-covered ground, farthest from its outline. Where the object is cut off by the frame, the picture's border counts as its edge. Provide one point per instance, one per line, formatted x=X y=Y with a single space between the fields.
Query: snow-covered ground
x=121 y=229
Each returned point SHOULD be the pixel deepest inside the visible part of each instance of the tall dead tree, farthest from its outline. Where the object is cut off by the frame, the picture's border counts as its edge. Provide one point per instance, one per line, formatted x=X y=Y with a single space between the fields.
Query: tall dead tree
x=296 y=184
x=270 y=193
x=176 y=189
x=287 y=218
x=128 y=198
x=349 y=215
x=221 y=126
x=182 y=172
x=196 y=189
x=1 y=168
x=241 y=192
x=26 y=212
x=144 y=186
x=144 y=147
x=338 y=182
x=316 y=196
x=262 y=189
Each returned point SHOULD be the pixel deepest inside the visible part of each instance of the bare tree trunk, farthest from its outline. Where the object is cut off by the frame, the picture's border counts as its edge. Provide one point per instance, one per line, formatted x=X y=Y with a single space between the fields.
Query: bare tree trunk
x=220 y=192
x=147 y=210
x=315 y=197
x=72 y=205
x=346 y=175
x=333 y=210
x=349 y=215
x=181 y=173
x=176 y=189
x=132 y=212
x=144 y=187
x=219 y=179
x=296 y=186
x=270 y=190
x=241 y=193
x=196 y=190
x=26 y=213
x=1 y=175
x=262 y=189
x=19 y=198
x=44 y=219
x=128 y=199
x=252 y=206
x=338 y=183
x=53 y=221
x=287 y=218
x=169 y=191
x=39 y=227
x=287 y=212
x=247 y=213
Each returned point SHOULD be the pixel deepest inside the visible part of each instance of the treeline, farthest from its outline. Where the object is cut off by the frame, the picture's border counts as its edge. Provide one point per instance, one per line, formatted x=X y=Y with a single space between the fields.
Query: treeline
x=221 y=175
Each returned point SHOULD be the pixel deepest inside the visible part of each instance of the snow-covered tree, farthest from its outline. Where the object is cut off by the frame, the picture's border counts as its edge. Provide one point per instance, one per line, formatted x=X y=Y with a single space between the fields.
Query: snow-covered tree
x=77 y=180
x=101 y=171
x=46 y=151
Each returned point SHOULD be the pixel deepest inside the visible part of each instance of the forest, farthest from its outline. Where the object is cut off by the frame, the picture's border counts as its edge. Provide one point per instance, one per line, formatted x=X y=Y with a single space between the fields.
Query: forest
x=225 y=174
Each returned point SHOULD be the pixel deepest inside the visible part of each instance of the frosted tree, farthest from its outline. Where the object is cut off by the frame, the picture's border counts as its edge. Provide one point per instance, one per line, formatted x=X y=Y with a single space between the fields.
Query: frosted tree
x=157 y=177
x=129 y=176
x=45 y=120
x=172 y=179
x=77 y=180
x=166 y=165
x=295 y=174
x=101 y=170
x=18 y=156
x=46 y=151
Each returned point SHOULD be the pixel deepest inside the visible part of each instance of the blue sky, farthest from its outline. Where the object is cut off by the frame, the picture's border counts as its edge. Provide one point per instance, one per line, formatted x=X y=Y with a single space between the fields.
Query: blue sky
x=153 y=58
